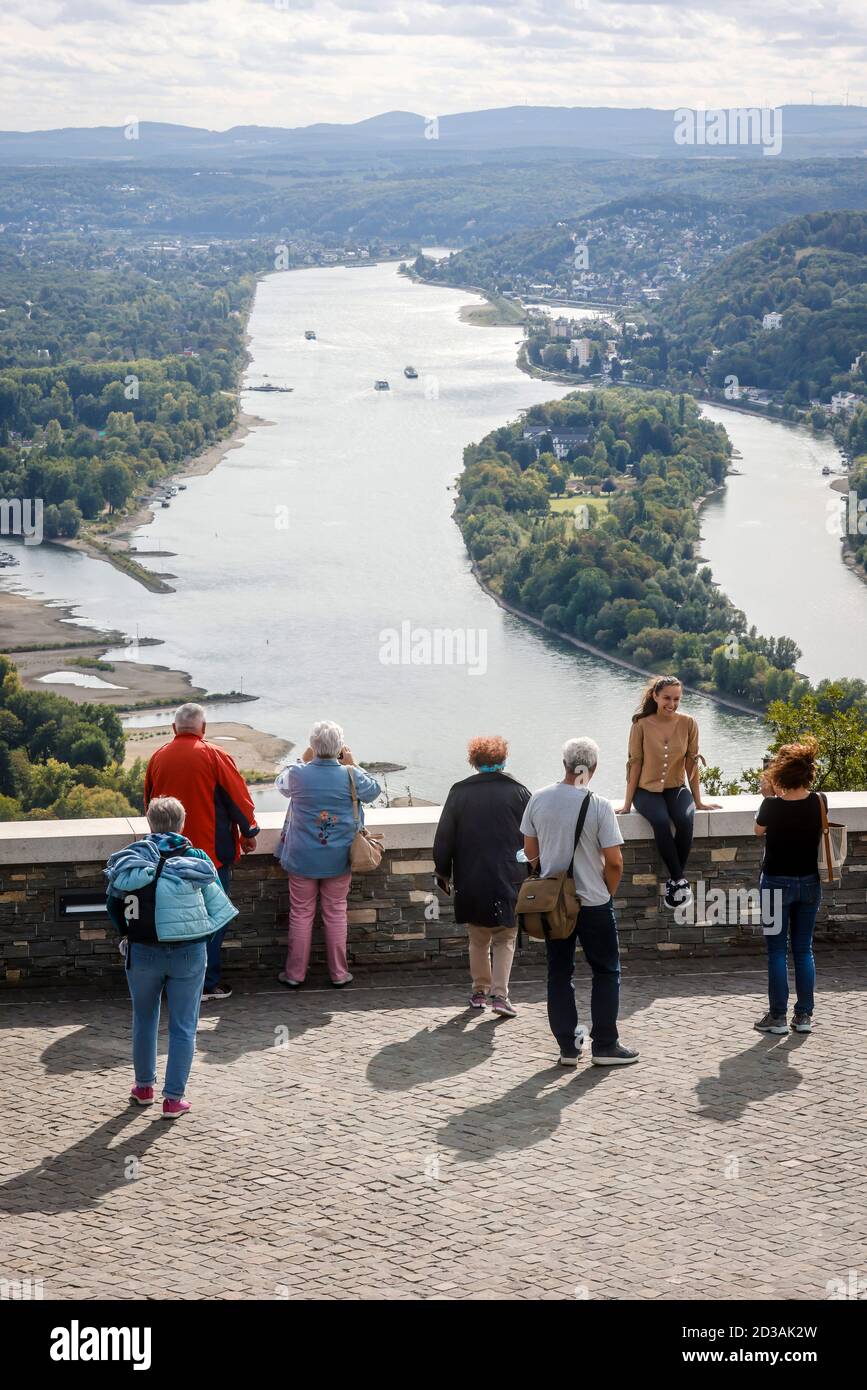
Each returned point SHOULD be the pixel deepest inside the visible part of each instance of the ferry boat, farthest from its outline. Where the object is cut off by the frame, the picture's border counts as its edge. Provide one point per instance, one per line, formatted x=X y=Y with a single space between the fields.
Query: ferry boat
x=410 y=372
x=381 y=386
x=310 y=335
x=825 y=471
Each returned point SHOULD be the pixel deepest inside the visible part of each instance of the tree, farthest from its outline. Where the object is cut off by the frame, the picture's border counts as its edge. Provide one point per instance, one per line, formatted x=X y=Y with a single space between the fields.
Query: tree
x=90 y=499
x=51 y=521
x=53 y=442
x=88 y=803
x=8 y=781
x=116 y=482
x=841 y=733
x=69 y=519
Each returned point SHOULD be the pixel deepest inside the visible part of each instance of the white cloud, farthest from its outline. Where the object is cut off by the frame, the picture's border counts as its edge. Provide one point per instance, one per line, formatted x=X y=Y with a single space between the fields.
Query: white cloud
x=218 y=63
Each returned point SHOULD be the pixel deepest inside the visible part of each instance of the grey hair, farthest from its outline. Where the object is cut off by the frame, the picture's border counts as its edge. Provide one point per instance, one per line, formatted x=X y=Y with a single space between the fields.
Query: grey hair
x=189 y=719
x=580 y=755
x=166 y=814
x=326 y=739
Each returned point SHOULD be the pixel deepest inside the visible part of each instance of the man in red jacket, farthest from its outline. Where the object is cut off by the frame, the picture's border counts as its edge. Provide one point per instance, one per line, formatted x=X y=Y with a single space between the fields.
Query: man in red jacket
x=221 y=818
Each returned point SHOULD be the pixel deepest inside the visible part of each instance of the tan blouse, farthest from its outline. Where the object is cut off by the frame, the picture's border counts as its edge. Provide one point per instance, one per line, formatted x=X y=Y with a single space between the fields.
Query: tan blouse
x=663 y=755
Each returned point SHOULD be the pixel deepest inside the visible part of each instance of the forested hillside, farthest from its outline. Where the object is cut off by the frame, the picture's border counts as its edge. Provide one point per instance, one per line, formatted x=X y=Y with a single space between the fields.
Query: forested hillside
x=631 y=245
x=813 y=272
x=111 y=376
x=432 y=193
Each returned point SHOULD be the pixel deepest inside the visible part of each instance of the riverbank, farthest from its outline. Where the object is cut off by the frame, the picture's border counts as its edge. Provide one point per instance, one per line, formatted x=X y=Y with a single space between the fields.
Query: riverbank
x=258 y=754
x=45 y=641
x=725 y=702
x=114 y=545
x=497 y=312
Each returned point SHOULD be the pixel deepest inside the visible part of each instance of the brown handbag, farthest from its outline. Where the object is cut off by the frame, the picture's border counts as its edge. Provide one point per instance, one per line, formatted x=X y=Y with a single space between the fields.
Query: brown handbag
x=547 y=908
x=365 y=852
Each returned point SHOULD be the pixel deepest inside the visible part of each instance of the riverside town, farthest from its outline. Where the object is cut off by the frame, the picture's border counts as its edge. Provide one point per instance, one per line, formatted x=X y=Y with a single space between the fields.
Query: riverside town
x=433 y=675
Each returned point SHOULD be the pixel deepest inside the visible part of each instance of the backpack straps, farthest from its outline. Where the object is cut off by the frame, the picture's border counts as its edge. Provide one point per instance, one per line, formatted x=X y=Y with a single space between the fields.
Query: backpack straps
x=165 y=855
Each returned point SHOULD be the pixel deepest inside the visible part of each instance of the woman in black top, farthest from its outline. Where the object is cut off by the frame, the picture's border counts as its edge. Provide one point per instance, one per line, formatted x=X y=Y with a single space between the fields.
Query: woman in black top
x=791 y=823
x=478 y=836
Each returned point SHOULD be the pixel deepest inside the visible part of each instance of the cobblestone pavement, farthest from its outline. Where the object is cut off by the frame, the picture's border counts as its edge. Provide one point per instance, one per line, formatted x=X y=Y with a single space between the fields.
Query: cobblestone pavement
x=385 y=1142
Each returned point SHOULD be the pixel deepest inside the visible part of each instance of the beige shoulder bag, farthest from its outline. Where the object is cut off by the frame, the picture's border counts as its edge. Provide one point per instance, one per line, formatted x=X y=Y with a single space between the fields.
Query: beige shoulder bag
x=365 y=852
x=834 y=843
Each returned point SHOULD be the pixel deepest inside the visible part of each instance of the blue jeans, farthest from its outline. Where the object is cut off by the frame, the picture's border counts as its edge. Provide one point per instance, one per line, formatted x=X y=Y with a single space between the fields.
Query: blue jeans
x=801 y=899
x=180 y=970
x=597 y=933
x=214 y=971
x=661 y=808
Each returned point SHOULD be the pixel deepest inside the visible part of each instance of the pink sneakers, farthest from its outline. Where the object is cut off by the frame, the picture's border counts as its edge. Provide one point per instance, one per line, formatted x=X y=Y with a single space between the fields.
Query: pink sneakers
x=141 y=1095
x=173 y=1108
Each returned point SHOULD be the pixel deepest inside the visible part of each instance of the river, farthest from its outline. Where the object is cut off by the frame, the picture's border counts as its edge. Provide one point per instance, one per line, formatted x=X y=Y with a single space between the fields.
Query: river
x=333 y=524
x=772 y=539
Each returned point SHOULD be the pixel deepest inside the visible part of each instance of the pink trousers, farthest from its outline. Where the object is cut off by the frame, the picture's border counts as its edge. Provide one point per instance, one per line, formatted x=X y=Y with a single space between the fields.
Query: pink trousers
x=303 y=893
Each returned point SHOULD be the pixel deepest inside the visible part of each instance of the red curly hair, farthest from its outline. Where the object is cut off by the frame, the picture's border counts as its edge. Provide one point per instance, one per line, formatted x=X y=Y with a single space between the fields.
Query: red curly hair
x=794 y=765
x=486 y=750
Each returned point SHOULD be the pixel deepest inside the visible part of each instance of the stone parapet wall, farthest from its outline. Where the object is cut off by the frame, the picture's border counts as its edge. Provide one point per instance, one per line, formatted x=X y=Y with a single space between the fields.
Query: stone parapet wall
x=395 y=918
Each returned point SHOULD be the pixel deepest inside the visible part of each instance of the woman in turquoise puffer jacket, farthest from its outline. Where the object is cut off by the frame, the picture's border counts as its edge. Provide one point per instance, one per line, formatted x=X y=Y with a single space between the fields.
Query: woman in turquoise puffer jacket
x=166 y=900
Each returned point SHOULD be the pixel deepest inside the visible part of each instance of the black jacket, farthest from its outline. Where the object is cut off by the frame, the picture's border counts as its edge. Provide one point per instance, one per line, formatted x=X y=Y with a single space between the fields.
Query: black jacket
x=478 y=835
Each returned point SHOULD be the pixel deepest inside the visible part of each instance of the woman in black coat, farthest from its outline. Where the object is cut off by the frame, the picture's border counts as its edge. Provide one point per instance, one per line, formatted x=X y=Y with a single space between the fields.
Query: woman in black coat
x=478 y=836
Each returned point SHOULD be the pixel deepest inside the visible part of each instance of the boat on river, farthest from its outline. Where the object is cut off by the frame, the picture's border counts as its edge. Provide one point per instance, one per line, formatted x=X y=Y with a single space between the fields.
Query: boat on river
x=310 y=335
x=381 y=386
x=410 y=372
x=826 y=471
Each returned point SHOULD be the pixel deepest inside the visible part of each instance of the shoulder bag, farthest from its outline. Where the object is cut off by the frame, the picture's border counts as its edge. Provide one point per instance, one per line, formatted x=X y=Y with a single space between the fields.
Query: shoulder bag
x=834 y=844
x=547 y=908
x=365 y=852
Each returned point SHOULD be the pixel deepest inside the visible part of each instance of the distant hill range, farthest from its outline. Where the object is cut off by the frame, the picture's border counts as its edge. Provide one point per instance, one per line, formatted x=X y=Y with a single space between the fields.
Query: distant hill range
x=594 y=132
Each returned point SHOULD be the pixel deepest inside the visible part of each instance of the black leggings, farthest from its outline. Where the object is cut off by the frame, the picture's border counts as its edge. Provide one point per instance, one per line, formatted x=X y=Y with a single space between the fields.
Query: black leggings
x=660 y=808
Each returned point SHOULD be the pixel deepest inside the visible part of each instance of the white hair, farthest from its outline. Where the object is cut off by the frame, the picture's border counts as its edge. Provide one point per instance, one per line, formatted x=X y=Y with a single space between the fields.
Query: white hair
x=166 y=814
x=326 y=739
x=189 y=719
x=580 y=756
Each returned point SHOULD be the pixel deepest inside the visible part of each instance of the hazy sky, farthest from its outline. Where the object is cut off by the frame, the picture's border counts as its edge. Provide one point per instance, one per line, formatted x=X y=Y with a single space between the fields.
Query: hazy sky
x=218 y=63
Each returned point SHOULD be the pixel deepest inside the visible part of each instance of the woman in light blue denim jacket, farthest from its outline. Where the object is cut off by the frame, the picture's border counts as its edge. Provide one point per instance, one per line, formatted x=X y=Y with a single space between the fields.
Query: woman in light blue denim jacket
x=165 y=945
x=314 y=847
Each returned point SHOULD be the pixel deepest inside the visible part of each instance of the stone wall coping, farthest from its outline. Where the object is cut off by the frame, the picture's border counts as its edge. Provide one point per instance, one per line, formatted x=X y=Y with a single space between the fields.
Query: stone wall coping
x=404 y=827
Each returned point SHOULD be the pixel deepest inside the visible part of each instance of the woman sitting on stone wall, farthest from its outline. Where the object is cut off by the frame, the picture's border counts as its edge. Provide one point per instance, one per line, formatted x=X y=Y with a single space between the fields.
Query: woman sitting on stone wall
x=663 y=779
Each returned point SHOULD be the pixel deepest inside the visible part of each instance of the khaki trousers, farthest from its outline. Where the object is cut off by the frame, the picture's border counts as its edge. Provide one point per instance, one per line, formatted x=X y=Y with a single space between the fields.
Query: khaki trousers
x=486 y=942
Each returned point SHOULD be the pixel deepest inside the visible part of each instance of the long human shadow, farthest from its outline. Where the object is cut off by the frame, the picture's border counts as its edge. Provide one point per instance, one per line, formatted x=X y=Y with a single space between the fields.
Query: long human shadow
x=750 y=1077
x=222 y=1038
x=236 y=1035
x=433 y=1053
x=79 y=1177
x=524 y=1116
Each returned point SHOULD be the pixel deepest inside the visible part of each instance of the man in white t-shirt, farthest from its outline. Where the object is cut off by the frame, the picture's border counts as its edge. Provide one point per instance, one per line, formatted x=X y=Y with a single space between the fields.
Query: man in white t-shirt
x=548 y=826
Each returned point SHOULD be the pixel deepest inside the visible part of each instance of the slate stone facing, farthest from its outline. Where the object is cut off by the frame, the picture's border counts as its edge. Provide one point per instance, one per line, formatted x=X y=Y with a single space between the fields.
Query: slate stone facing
x=394 y=917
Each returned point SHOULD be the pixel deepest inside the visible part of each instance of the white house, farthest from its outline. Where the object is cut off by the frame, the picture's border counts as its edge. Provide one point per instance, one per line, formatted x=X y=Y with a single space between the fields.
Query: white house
x=772 y=321
x=845 y=402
